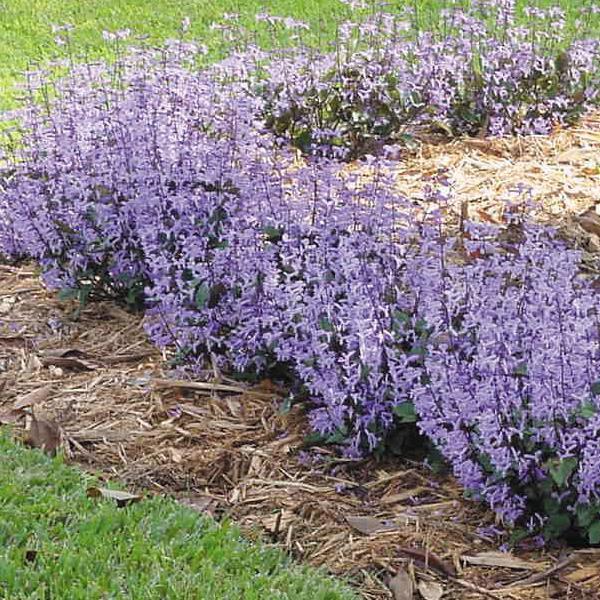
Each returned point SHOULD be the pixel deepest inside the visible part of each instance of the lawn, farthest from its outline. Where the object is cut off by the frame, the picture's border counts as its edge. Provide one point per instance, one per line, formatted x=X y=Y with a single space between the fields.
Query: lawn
x=56 y=542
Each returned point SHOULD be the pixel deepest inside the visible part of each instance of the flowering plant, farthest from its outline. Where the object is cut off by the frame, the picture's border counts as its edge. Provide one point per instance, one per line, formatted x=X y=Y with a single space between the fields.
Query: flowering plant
x=511 y=394
x=478 y=70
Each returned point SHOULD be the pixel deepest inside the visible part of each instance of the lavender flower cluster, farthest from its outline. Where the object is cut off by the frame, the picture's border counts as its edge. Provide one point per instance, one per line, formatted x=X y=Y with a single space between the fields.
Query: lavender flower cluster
x=511 y=394
x=480 y=70
x=163 y=185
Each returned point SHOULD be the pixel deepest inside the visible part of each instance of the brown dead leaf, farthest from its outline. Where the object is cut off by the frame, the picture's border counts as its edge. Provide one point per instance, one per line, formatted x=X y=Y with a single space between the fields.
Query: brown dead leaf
x=122 y=498
x=125 y=358
x=33 y=364
x=67 y=362
x=201 y=386
x=45 y=435
x=430 y=560
x=176 y=456
x=6 y=304
x=430 y=590
x=503 y=560
x=63 y=353
x=11 y=416
x=200 y=503
x=68 y=358
x=34 y=397
x=591 y=170
x=13 y=341
x=401 y=586
x=403 y=496
x=583 y=573
x=590 y=221
x=369 y=525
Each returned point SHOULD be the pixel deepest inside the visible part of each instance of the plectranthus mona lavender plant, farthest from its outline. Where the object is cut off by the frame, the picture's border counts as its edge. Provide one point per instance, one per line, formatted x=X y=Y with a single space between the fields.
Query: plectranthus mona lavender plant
x=511 y=396
x=299 y=273
x=100 y=146
x=475 y=70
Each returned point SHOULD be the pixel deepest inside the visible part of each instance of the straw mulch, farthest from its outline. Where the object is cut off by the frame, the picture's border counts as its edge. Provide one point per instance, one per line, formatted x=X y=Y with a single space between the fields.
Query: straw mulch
x=93 y=385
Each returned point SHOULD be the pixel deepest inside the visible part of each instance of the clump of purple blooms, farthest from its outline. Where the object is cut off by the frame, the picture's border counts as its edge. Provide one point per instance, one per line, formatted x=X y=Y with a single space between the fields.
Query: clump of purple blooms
x=510 y=394
x=174 y=189
x=480 y=70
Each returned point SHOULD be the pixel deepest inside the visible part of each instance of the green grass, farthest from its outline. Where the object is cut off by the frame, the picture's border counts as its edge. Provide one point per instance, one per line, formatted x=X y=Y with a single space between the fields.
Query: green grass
x=56 y=543
x=26 y=25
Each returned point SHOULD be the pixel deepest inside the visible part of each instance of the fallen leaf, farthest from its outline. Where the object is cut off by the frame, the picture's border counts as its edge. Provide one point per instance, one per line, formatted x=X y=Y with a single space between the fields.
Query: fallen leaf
x=13 y=341
x=9 y=417
x=403 y=496
x=33 y=364
x=122 y=498
x=63 y=353
x=176 y=456
x=430 y=590
x=369 y=525
x=583 y=573
x=501 y=559
x=124 y=358
x=199 y=503
x=402 y=586
x=45 y=435
x=430 y=560
x=590 y=221
x=34 y=397
x=67 y=362
x=591 y=170
x=486 y=217
x=206 y=386
x=6 y=304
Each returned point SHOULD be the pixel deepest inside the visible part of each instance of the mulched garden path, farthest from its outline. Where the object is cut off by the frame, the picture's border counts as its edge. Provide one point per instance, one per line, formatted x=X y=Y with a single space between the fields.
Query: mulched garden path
x=92 y=384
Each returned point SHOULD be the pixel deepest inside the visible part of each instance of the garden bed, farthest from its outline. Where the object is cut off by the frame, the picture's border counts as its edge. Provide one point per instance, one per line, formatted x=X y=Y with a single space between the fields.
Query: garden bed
x=229 y=450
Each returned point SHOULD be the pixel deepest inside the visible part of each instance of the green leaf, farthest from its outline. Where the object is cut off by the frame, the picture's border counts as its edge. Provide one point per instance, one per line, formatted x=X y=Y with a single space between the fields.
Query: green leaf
x=521 y=370
x=406 y=412
x=561 y=470
x=551 y=505
x=596 y=388
x=274 y=234
x=303 y=140
x=421 y=327
x=594 y=533
x=84 y=294
x=587 y=410
x=556 y=525
x=586 y=514
x=338 y=437
x=325 y=324
x=418 y=350
x=313 y=438
x=68 y=294
x=202 y=295
x=517 y=536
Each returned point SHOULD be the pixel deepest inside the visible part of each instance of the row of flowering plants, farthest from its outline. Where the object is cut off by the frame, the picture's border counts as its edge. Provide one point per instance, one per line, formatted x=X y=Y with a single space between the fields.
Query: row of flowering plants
x=481 y=70
x=170 y=188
